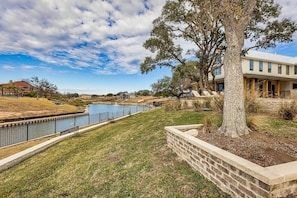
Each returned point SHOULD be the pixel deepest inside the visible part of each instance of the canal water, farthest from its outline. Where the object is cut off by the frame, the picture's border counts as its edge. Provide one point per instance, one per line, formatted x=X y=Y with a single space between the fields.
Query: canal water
x=103 y=108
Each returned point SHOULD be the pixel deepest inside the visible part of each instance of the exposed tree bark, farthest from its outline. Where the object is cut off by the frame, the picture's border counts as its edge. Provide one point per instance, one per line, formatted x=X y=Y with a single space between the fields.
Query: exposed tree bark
x=235 y=17
x=234 y=118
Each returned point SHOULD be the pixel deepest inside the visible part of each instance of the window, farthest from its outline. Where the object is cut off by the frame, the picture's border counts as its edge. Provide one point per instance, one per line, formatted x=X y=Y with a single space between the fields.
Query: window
x=288 y=69
x=279 y=69
x=218 y=59
x=295 y=69
x=294 y=86
x=269 y=67
x=220 y=86
x=218 y=71
x=260 y=66
x=251 y=65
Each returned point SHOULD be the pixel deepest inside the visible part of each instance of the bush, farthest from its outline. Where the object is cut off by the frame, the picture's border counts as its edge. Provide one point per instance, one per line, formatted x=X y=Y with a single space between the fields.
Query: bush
x=185 y=105
x=207 y=103
x=252 y=123
x=202 y=103
x=197 y=105
x=172 y=105
x=218 y=103
x=288 y=111
x=211 y=123
x=251 y=105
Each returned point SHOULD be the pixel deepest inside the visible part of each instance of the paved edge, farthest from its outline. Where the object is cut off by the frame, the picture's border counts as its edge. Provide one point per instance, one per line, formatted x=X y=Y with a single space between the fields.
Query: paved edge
x=13 y=160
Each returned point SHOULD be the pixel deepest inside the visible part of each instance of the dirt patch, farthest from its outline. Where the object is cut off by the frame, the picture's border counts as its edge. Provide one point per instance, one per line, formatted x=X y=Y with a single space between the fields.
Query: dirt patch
x=261 y=148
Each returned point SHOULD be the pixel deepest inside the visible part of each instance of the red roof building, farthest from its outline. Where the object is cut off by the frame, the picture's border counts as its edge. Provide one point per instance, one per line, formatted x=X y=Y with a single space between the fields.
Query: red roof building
x=16 y=88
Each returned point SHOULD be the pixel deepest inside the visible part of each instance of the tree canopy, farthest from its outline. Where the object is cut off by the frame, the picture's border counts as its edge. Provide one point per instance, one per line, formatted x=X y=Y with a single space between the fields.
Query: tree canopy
x=184 y=21
x=43 y=88
x=215 y=27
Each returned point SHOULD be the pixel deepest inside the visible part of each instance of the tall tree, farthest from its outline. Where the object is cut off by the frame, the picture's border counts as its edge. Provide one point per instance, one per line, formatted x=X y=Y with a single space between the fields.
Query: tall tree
x=242 y=19
x=185 y=20
x=235 y=21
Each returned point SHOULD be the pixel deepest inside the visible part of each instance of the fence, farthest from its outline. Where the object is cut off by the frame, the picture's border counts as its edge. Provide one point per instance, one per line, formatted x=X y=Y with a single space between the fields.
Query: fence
x=22 y=131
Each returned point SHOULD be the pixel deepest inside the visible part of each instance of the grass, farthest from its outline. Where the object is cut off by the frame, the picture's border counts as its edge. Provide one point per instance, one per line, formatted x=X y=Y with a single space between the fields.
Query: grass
x=128 y=158
x=21 y=107
x=277 y=126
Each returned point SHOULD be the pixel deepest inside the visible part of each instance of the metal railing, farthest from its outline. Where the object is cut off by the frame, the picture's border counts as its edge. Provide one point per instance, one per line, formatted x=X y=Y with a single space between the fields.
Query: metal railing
x=22 y=131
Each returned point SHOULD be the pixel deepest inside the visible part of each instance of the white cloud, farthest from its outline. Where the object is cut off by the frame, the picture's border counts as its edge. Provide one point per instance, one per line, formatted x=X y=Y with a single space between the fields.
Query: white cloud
x=103 y=36
x=28 y=67
x=74 y=33
x=8 y=67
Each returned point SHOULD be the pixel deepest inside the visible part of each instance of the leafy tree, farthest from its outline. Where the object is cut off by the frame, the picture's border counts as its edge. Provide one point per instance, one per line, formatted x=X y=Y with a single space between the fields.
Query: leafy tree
x=258 y=21
x=180 y=83
x=229 y=23
x=185 y=20
x=71 y=95
x=143 y=92
x=189 y=70
x=175 y=86
x=43 y=88
x=162 y=87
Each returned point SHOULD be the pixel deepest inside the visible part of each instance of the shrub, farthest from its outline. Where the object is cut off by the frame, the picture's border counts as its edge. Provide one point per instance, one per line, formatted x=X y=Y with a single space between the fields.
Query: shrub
x=197 y=105
x=185 y=105
x=207 y=103
x=172 y=105
x=252 y=123
x=202 y=103
x=251 y=105
x=211 y=123
x=218 y=103
x=288 y=111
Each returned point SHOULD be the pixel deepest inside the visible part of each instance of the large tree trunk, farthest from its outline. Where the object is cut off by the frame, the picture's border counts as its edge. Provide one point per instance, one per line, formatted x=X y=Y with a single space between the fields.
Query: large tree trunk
x=201 y=79
x=234 y=117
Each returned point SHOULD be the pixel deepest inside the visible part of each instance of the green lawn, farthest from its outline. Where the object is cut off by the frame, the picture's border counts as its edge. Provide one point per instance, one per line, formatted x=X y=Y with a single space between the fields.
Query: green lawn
x=128 y=158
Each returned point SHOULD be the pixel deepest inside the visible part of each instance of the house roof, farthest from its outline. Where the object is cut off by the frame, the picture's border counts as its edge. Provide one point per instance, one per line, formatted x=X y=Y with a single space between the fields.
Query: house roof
x=265 y=56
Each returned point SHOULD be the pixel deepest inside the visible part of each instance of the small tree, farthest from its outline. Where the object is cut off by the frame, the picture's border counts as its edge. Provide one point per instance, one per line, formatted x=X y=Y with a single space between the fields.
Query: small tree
x=43 y=88
x=162 y=87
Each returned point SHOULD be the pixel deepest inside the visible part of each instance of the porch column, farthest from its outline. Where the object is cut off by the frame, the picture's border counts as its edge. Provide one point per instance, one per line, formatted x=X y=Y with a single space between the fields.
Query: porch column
x=278 y=88
x=253 y=87
x=266 y=88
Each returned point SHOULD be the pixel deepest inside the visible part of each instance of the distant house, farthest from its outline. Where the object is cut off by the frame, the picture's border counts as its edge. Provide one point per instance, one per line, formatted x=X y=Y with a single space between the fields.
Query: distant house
x=126 y=95
x=85 y=96
x=265 y=74
x=17 y=88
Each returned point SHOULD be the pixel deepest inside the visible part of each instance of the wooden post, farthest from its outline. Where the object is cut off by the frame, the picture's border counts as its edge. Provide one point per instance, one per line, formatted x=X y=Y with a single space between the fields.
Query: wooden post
x=253 y=87
x=278 y=88
x=266 y=88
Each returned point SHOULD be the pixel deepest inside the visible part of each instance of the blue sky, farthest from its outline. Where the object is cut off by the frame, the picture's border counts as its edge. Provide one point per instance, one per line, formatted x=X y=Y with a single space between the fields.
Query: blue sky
x=86 y=46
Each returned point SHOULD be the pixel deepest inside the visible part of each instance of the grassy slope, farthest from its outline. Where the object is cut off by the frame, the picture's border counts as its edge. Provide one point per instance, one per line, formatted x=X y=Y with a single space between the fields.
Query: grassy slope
x=126 y=158
x=11 y=150
x=25 y=106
